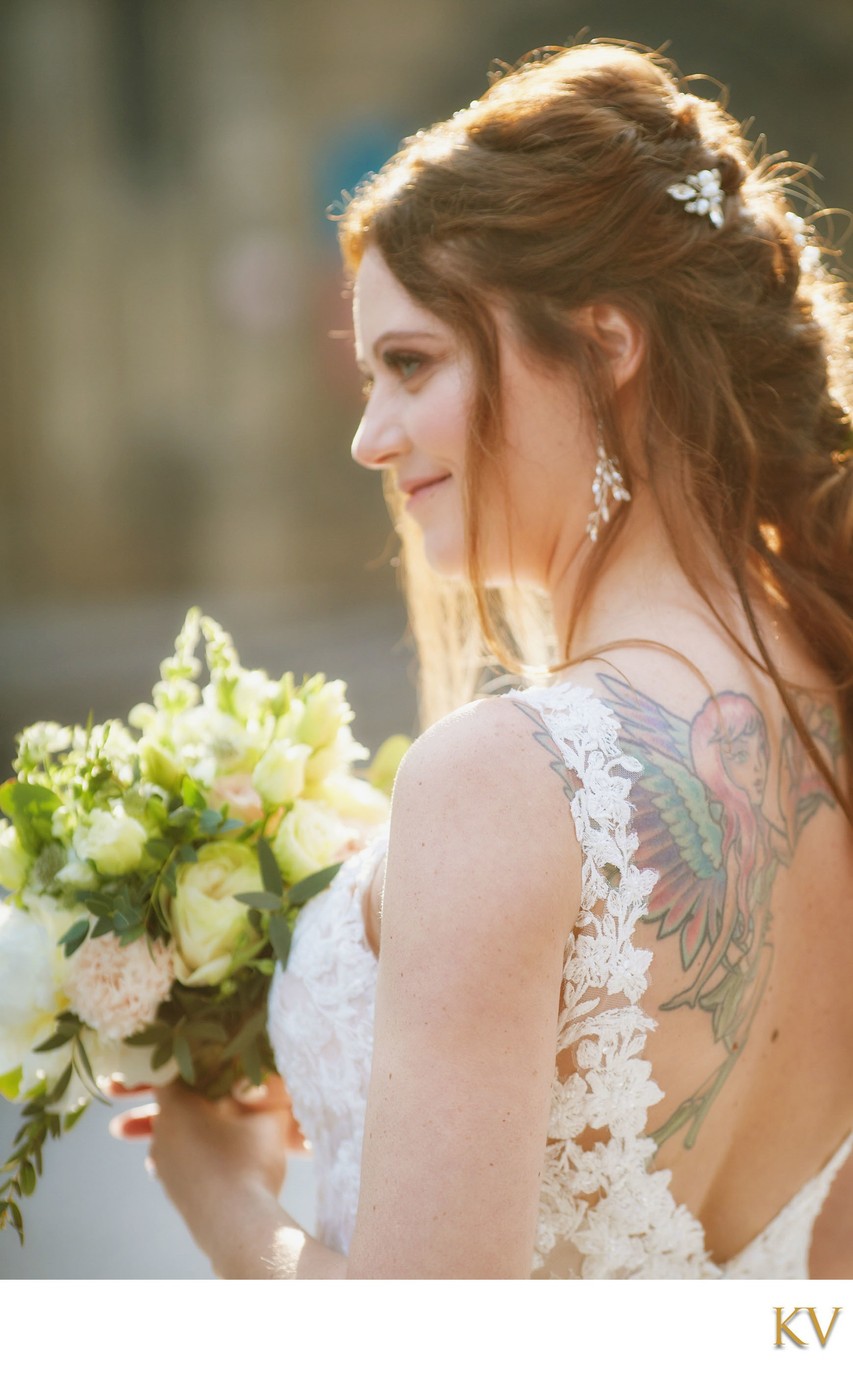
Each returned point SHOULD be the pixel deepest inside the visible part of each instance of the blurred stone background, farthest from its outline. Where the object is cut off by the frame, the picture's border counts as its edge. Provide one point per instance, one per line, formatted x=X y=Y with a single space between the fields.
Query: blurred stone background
x=176 y=396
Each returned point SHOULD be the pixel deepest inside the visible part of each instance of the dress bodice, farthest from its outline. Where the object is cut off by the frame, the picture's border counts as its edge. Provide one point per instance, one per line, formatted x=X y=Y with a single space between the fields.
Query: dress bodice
x=604 y=1212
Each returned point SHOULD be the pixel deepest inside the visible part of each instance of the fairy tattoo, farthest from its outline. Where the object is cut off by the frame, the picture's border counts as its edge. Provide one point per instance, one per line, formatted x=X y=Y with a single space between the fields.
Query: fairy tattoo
x=701 y=823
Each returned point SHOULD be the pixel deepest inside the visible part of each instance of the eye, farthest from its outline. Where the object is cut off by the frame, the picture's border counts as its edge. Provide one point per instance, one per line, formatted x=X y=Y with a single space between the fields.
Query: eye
x=405 y=365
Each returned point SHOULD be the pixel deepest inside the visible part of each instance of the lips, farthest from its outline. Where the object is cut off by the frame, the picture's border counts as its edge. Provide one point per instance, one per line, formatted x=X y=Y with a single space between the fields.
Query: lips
x=413 y=488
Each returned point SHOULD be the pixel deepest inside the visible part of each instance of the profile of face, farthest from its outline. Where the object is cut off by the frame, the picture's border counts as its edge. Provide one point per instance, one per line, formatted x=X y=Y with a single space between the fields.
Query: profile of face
x=745 y=759
x=420 y=389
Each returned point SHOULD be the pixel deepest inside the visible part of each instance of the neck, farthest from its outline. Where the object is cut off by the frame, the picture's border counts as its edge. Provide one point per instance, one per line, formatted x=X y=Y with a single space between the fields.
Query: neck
x=640 y=583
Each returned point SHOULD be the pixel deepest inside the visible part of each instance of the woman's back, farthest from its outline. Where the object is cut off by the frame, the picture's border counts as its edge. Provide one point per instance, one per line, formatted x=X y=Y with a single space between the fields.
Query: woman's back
x=748 y=929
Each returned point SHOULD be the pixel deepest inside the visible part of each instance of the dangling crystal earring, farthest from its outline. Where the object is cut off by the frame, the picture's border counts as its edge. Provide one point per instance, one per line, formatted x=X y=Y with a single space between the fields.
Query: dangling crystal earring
x=607 y=485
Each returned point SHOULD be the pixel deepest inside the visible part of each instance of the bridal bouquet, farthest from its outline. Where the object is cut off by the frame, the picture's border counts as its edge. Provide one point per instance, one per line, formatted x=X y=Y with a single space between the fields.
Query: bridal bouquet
x=154 y=871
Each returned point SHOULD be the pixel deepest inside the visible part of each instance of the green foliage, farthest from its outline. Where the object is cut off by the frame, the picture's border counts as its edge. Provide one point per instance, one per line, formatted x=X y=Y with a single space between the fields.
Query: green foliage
x=30 y=807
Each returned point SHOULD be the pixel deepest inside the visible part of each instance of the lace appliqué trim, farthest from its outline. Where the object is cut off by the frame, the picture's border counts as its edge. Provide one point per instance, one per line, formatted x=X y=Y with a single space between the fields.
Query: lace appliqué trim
x=320 y=1019
x=603 y=1213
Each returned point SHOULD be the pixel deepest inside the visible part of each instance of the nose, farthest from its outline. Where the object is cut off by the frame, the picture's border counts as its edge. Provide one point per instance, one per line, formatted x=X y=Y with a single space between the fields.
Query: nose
x=379 y=439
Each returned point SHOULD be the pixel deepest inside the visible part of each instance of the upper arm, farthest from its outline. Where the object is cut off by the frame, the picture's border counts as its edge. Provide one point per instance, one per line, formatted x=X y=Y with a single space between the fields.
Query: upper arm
x=482 y=887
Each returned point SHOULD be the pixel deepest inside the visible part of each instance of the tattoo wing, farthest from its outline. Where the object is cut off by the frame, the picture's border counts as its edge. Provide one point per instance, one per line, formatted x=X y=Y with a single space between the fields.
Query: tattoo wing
x=676 y=822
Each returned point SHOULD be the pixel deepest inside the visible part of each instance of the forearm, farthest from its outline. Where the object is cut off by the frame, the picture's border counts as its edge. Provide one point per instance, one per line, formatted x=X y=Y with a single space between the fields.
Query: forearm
x=256 y=1239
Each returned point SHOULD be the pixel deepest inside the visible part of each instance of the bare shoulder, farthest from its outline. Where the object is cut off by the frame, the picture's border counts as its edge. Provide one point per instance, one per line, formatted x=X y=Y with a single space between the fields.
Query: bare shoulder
x=480 y=809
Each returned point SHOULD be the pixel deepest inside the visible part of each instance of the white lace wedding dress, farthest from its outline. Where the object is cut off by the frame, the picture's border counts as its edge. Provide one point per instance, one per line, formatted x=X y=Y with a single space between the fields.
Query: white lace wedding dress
x=603 y=1213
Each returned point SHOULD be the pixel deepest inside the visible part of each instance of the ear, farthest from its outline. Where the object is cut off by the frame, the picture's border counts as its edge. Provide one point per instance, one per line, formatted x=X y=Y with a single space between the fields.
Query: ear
x=620 y=337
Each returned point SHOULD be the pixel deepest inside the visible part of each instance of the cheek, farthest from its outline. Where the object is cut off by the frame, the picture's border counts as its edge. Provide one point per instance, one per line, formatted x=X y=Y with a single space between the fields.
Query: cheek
x=438 y=419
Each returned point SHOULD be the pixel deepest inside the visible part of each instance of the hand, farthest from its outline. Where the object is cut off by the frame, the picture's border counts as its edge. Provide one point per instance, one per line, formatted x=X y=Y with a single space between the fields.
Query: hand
x=206 y=1153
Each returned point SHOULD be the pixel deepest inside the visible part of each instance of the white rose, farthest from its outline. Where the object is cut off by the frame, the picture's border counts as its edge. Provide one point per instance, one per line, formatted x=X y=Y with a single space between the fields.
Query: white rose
x=111 y=840
x=209 y=926
x=14 y=861
x=279 y=775
x=30 y=982
x=310 y=837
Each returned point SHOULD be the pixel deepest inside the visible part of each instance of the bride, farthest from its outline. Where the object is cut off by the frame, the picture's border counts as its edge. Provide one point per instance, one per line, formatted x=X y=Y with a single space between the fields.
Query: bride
x=582 y=1010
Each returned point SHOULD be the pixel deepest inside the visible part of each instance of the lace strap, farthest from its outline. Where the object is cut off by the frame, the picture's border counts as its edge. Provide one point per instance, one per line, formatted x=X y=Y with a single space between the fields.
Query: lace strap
x=621 y=1218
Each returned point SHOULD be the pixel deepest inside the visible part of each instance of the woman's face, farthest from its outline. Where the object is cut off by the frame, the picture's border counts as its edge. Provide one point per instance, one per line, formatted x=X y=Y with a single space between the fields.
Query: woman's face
x=746 y=763
x=415 y=422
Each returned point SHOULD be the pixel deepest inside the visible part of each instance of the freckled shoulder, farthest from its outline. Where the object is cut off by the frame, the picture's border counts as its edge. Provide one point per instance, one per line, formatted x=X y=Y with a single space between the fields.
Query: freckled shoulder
x=484 y=790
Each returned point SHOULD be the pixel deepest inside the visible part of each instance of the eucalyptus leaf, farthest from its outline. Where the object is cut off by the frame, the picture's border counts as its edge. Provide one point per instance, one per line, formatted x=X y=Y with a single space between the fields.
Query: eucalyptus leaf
x=270 y=872
x=182 y=817
x=162 y=1054
x=75 y=936
x=312 y=884
x=60 y=1087
x=267 y=901
x=280 y=936
x=158 y=849
x=183 y=1056
x=27 y=1177
x=58 y=1039
x=252 y=1063
x=149 y=1036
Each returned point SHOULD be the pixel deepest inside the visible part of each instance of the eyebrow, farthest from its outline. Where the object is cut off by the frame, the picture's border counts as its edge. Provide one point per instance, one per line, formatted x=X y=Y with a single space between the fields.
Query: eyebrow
x=395 y=334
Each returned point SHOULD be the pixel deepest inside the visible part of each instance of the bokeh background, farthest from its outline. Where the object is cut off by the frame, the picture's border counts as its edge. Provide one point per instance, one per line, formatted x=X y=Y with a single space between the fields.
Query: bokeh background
x=177 y=393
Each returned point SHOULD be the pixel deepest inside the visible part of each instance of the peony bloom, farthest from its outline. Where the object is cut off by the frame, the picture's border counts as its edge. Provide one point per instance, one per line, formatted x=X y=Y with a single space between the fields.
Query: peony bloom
x=111 y=840
x=209 y=925
x=118 y=989
x=311 y=837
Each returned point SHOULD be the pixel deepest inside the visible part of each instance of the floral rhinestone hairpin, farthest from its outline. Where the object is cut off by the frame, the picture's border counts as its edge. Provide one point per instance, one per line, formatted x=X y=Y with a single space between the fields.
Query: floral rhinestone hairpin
x=702 y=194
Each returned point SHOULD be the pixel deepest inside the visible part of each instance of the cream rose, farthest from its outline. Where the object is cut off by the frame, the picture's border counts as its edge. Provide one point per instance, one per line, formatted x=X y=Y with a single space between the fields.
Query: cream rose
x=113 y=841
x=209 y=926
x=310 y=837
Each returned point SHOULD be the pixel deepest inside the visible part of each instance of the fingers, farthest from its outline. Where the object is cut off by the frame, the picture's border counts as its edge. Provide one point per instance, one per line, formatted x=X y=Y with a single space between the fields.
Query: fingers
x=268 y=1095
x=119 y=1088
x=135 y=1123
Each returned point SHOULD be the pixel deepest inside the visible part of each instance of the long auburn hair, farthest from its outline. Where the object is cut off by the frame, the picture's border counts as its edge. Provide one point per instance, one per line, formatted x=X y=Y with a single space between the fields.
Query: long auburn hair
x=550 y=193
